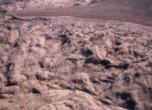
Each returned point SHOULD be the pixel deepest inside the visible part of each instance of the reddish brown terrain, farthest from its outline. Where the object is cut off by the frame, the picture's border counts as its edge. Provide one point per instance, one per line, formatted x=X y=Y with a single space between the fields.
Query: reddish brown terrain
x=75 y=55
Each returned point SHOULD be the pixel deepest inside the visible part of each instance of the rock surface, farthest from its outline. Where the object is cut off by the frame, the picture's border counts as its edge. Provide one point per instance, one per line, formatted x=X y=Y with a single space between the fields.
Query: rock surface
x=68 y=63
x=29 y=4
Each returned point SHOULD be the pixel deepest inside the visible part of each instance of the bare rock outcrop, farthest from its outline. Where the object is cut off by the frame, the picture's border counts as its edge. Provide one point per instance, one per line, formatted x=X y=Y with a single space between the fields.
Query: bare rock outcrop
x=68 y=63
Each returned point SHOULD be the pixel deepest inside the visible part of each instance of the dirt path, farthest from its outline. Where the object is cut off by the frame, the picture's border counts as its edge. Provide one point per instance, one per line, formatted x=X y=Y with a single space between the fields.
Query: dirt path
x=137 y=11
